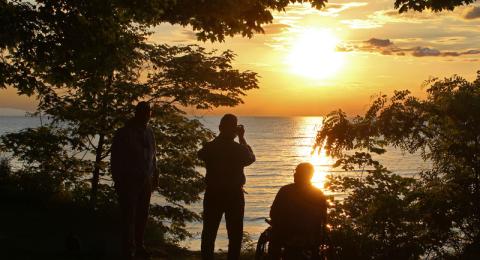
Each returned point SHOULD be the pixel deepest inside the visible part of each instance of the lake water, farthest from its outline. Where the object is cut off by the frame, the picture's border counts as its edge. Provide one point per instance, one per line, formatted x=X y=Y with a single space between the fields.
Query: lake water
x=279 y=143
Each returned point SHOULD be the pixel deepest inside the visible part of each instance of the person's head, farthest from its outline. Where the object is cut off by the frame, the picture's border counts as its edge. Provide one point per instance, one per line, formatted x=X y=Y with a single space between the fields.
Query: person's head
x=143 y=112
x=303 y=173
x=228 y=126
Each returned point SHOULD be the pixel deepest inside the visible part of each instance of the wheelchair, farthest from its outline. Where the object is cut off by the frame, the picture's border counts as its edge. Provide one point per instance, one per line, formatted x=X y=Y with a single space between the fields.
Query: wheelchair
x=290 y=251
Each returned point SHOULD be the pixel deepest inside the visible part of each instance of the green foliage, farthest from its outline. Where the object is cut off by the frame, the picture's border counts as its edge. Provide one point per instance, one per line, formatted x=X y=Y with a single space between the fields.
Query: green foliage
x=434 y=213
x=212 y=20
x=102 y=24
x=379 y=217
x=434 y=5
x=248 y=245
x=76 y=142
x=88 y=63
x=49 y=157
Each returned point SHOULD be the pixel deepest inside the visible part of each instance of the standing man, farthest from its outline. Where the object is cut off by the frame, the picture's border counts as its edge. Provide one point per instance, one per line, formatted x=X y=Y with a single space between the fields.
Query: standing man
x=225 y=159
x=135 y=175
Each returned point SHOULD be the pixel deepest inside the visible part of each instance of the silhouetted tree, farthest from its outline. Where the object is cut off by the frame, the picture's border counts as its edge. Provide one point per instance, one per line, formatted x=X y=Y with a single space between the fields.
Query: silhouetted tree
x=436 y=211
x=434 y=5
x=88 y=62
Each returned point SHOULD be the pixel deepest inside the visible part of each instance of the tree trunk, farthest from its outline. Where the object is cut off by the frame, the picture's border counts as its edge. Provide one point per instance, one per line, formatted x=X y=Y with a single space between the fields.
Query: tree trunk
x=96 y=171
x=101 y=143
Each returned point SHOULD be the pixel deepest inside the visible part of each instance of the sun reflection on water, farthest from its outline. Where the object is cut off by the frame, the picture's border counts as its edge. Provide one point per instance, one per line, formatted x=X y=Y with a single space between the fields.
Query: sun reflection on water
x=322 y=164
x=318 y=158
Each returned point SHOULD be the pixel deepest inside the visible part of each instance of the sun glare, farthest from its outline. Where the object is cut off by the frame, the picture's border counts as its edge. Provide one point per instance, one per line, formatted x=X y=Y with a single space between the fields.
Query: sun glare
x=321 y=163
x=313 y=54
x=320 y=160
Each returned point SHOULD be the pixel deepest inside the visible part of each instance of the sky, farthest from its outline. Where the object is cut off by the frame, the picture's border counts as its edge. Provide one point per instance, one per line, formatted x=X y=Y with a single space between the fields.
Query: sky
x=311 y=62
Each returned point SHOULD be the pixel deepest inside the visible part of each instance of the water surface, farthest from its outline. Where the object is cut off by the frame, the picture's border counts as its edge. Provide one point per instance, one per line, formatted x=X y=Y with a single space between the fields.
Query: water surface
x=279 y=143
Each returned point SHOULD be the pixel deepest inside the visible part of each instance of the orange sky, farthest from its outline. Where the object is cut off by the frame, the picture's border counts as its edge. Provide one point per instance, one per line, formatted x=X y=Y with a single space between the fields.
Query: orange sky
x=350 y=50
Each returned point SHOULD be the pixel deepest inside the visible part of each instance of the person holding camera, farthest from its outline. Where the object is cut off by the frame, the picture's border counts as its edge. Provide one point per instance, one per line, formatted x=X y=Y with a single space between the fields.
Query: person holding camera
x=224 y=160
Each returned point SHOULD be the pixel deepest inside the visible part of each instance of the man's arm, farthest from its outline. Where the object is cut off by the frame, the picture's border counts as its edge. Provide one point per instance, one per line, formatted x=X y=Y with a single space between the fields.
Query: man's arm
x=276 y=208
x=249 y=156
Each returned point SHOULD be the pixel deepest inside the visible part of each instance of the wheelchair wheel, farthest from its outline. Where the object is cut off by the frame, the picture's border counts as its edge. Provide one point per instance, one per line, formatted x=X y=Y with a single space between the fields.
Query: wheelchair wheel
x=261 y=252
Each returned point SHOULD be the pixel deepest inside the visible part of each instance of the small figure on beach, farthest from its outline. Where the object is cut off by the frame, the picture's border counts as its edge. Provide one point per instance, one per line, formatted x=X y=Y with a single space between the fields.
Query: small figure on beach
x=224 y=160
x=298 y=214
x=135 y=176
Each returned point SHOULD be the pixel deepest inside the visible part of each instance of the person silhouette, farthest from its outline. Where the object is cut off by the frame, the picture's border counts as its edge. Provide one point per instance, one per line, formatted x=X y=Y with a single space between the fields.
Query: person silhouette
x=298 y=214
x=224 y=160
x=135 y=176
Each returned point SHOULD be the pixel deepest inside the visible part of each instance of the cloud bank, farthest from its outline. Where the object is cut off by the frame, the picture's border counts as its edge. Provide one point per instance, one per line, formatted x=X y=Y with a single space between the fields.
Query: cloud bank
x=472 y=12
x=387 y=47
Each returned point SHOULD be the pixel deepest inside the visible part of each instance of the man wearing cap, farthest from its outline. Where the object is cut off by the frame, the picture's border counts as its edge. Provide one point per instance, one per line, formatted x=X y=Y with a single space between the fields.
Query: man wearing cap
x=135 y=175
x=298 y=214
x=225 y=159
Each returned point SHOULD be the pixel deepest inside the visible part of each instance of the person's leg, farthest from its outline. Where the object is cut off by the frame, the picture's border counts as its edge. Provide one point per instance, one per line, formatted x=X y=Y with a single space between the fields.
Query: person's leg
x=141 y=216
x=127 y=216
x=234 y=218
x=212 y=215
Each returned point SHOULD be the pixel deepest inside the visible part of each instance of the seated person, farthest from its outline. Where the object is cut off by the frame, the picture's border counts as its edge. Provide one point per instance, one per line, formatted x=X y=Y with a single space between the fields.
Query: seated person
x=298 y=214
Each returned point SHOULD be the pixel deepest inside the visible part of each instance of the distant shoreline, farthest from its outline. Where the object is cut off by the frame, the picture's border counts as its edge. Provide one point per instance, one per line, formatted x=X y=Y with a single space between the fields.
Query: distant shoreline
x=15 y=112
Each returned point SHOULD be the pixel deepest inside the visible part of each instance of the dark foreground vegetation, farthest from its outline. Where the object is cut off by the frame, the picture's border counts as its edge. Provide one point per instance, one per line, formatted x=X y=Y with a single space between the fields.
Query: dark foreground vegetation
x=89 y=62
x=39 y=223
x=434 y=214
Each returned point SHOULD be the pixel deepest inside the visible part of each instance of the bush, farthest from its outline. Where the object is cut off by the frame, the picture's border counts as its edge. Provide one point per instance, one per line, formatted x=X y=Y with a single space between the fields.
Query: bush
x=434 y=215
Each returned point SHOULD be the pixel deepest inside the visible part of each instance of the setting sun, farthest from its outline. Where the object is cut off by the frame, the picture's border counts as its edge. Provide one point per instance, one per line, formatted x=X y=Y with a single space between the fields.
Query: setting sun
x=313 y=54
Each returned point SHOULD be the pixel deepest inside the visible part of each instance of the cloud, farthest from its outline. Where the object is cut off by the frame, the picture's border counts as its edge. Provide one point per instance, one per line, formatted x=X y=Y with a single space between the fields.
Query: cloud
x=424 y=51
x=472 y=12
x=172 y=34
x=472 y=52
x=275 y=28
x=379 y=42
x=187 y=35
x=334 y=9
x=375 y=45
x=449 y=40
x=387 y=47
x=464 y=14
x=330 y=9
x=362 y=24
x=380 y=18
x=393 y=16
